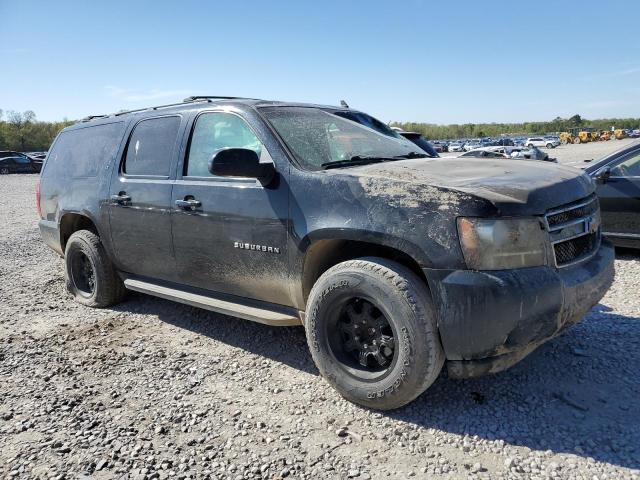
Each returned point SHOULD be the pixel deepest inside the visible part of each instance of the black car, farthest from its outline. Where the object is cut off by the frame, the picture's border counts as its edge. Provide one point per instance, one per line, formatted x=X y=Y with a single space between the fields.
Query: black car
x=14 y=162
x=618 y=187
x=295 y=214
x=420 y=141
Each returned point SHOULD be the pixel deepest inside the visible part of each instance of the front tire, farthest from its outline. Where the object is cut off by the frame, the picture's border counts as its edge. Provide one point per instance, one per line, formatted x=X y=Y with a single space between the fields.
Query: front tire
x=4 y=171
x=89 y=274
x=372 y=331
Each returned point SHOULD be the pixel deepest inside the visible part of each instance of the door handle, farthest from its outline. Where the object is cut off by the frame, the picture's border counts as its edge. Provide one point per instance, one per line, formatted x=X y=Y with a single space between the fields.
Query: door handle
x=188 y=204
x=121 y=198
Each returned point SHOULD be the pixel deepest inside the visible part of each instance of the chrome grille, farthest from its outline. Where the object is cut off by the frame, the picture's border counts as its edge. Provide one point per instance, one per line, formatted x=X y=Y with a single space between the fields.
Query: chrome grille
x=574 y=230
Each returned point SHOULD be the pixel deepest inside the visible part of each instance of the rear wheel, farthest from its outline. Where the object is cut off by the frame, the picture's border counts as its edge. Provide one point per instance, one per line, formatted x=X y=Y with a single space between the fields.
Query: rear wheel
x=4 y=171
x=372 y=332
x=576 y=140
x=90 y=275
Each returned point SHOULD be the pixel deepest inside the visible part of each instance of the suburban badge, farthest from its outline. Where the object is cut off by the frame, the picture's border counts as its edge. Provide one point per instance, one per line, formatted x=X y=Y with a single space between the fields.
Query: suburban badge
x=258 y=248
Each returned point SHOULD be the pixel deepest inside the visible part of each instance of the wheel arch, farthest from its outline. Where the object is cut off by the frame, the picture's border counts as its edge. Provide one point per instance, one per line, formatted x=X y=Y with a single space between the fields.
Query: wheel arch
x=328 y=248
x=71 y=222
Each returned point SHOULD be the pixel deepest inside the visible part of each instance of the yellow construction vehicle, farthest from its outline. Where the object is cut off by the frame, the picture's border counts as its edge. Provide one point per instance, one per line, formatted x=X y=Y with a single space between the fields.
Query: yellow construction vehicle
x=579 y=135
x=605 y=135
x=619 y=134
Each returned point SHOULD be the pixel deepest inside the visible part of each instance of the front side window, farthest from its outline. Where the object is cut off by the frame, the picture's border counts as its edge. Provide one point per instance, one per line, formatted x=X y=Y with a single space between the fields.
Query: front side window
x=320 y=140
x=213 y=132
x=629 y=167
x=151 y=145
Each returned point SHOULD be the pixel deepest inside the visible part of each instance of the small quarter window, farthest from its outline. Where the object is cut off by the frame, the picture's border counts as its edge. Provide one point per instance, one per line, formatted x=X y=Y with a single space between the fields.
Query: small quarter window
x=151 y=145
x=215 y=131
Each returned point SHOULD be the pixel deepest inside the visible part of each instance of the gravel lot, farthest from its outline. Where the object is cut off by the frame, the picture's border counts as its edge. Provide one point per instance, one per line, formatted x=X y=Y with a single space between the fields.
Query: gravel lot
x=153 y=389
x=575 y=155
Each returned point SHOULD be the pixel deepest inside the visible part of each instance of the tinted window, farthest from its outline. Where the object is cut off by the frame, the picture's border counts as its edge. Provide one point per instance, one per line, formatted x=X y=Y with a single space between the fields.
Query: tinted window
x=627 y=168
x=150 y=148
x=22 y=159
x=80 y=152
x=213 y=132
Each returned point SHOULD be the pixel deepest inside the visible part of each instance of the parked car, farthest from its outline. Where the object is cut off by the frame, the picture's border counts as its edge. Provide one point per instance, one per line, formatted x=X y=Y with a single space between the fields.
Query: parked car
x=618 y=188
x=422 y=142
x=456 y=147
x=472 y=145
x=540 y=142
x=19 y=164
x=488 y=152
x=505 y=142
x=554 y=140
x=291 y=214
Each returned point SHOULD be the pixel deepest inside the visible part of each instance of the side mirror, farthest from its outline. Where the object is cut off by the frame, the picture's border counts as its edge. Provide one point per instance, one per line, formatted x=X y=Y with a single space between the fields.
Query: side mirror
x=240 y=162
x=603 y=175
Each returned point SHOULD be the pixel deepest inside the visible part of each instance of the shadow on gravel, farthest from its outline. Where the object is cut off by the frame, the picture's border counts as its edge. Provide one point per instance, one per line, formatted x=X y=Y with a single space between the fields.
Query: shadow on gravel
x=287 y=345
x=576 y=394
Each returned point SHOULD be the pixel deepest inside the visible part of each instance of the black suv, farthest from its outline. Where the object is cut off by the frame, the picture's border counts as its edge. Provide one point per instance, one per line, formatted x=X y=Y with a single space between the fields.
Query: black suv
x=291 y=214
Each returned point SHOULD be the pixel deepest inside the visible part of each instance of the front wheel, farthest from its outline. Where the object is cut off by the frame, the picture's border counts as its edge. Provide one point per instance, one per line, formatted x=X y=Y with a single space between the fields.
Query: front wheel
x=4 y=171
x=90 y=275
x=372 y=331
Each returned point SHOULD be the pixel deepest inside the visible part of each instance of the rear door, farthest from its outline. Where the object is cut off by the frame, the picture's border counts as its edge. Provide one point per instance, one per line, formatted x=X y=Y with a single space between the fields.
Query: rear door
x=235 y=240
x=140 y=198
x=620 y=198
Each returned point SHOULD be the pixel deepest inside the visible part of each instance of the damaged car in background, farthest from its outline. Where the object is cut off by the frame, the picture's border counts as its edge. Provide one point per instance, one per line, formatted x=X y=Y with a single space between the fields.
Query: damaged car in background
x=396 y=264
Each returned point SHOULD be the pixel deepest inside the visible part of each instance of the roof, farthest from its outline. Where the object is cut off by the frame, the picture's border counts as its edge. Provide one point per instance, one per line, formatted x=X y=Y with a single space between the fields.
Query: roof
x=198 y=101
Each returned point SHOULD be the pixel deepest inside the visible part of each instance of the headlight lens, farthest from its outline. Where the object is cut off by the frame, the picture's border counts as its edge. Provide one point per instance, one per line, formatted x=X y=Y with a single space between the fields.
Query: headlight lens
x=498 y=244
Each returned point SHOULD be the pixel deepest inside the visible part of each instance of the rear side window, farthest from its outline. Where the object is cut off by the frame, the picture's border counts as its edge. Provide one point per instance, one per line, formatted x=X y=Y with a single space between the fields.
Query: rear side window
x=81 y=152
x=151 y=145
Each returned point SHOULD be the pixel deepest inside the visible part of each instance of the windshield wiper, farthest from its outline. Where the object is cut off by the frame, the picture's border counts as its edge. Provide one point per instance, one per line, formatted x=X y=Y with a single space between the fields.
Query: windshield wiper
x=357 y=160
x=412 y=155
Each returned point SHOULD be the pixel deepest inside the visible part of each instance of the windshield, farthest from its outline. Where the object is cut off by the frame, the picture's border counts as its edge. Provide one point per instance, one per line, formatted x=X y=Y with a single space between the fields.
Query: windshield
x=318 y=138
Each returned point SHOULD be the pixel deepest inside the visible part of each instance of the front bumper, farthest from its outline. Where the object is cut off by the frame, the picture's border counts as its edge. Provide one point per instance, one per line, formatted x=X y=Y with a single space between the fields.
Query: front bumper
x=489 y=320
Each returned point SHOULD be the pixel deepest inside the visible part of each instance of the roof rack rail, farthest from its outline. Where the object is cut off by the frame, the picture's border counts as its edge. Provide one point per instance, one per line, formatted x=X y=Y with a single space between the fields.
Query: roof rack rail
x=124 y=112
x=196 y=98
x=88 y=118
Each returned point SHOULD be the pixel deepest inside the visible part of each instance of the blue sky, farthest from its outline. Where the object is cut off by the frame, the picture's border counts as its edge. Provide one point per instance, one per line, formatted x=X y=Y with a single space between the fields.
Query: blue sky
x=439 y=62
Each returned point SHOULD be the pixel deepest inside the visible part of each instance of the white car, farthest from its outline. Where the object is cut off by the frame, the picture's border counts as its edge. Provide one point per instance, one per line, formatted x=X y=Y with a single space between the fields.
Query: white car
x=472 y=146
x=540 y=142
x=456 y=147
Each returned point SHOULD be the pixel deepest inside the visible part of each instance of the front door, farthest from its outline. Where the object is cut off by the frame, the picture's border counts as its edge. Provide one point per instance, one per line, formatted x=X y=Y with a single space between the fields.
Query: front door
x=234 y=239
x=620 y=198
x=140 y=199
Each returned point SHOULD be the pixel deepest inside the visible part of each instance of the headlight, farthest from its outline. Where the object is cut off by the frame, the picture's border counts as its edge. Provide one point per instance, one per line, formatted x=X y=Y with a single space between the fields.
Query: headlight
x=498 y=244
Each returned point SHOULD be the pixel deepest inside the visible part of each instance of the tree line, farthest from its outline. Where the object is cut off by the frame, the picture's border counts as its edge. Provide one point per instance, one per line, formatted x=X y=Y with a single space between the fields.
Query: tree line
x=474 y=130
x=21 y=131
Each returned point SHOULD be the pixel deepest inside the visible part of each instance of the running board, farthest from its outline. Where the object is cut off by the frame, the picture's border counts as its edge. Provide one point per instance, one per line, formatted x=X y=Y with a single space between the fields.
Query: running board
x=278 y=316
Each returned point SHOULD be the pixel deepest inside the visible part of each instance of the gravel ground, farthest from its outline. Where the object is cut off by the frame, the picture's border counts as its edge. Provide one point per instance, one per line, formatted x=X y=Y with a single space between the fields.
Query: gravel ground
x=153 y=389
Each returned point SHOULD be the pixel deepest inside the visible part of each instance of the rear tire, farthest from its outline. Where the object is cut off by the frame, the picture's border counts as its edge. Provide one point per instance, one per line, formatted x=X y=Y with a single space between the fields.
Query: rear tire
x=89 y=274
x=371 y=328
x=4 y=171
x=576 y=140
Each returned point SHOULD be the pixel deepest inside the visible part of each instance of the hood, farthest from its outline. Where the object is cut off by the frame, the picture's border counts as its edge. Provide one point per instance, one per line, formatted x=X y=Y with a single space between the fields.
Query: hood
x=514 y=187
